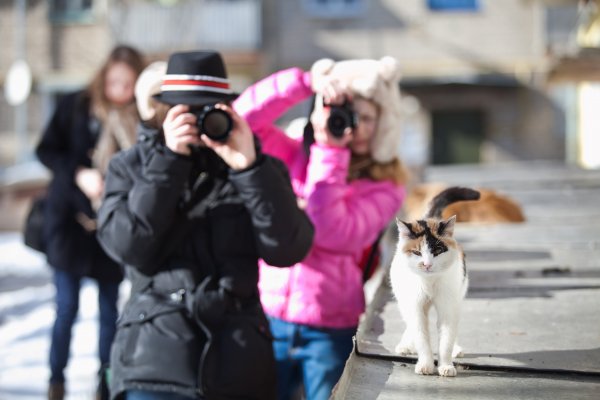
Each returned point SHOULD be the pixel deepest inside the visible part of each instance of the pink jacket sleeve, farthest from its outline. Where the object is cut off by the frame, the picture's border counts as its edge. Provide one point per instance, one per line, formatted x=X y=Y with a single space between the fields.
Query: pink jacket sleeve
x=266 y=100
x=347 y=216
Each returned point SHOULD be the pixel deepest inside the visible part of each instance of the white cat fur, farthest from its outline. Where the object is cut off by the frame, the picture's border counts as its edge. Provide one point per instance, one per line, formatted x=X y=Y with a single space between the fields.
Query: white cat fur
x=419 y=282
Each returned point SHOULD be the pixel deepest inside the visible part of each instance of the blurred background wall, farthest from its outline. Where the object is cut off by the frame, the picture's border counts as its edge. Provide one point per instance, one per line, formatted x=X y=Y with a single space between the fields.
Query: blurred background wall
x=484 y=81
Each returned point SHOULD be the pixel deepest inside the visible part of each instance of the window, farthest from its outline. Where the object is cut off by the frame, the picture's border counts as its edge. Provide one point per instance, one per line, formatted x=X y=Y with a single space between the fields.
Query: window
x=453 y=5
x=334 y=8
x=70 y=11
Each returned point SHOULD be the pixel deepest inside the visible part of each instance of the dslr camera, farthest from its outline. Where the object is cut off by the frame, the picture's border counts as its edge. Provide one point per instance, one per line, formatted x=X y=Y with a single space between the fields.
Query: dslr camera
x=213 y=122
x=340 y=118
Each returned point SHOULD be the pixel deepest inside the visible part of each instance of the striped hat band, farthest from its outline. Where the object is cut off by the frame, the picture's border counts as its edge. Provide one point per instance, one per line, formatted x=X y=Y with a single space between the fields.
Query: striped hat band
x=202 y=83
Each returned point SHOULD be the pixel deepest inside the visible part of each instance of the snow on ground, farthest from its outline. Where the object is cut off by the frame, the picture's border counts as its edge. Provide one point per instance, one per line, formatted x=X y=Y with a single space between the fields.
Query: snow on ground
x=26 y=318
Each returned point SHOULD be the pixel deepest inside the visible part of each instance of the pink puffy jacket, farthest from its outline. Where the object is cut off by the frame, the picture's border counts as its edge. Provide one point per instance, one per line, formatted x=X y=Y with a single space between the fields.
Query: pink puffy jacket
x=325 y=289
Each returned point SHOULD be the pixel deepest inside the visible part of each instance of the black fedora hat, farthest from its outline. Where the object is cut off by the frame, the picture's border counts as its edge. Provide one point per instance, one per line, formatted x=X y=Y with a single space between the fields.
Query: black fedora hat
x=195 y=78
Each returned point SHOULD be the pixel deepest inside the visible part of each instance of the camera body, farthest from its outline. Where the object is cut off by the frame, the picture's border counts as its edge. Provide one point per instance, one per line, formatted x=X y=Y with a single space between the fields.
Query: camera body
x=340 y=118
x=213 y=122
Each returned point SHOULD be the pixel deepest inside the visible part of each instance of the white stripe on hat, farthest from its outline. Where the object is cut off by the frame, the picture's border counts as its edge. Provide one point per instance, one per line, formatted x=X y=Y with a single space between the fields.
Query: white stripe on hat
x=194 y=88
x=183 y=77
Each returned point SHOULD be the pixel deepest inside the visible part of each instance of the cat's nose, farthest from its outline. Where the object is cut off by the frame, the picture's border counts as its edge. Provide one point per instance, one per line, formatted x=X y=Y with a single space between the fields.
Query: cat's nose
x=427 y=266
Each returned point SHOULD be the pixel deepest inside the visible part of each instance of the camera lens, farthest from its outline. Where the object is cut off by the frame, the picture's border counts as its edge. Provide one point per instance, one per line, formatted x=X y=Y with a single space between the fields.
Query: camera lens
x=214 y=123
x=340 y=118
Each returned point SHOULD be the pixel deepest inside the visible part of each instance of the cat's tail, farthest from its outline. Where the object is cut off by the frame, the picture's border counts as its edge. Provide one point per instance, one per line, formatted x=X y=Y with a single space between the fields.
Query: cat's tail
x=447 y=197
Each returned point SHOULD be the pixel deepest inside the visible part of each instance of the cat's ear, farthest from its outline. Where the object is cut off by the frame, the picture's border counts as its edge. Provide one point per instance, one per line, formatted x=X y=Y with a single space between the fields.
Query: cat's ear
x=446 y=227
x=405 y=229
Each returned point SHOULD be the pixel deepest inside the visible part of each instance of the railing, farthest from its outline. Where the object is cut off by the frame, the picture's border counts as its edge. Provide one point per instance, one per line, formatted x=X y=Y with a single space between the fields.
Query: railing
x=222 y=25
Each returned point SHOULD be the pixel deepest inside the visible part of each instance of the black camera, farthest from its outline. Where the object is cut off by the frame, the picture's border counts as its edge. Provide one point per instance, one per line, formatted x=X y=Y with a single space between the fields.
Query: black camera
x=340 y=118
x=213 y=122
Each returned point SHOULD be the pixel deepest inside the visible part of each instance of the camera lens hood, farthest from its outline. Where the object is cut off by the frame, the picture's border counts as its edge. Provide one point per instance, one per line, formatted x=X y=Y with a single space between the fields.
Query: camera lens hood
x=214 y=122
x=340 y=118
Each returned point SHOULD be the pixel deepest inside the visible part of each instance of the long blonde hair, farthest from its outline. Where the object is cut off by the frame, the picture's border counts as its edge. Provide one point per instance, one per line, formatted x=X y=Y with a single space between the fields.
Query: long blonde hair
x=367 y=167
x=118 y=124
x=120 y=54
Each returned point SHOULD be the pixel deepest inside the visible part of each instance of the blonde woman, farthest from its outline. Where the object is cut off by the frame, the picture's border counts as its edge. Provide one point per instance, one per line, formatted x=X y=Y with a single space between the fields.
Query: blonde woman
x=87 y=128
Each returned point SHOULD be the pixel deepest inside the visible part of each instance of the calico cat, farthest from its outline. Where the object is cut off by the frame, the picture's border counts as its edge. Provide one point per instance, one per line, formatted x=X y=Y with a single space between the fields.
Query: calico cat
x=428 y=270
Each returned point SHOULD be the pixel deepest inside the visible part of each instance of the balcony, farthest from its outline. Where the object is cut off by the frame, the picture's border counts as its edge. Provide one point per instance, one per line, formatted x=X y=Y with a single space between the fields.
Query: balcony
x=222 y=25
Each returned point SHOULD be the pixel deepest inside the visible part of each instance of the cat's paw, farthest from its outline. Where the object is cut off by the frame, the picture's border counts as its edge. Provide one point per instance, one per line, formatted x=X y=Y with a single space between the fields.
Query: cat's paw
x=425 y=367
x=457 y=352
x=404 y=350
x=447 y=370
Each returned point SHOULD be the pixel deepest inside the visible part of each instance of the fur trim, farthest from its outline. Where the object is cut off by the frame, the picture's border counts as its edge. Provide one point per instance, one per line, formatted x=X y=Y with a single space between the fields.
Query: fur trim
x=376 y=80
x=147 y=85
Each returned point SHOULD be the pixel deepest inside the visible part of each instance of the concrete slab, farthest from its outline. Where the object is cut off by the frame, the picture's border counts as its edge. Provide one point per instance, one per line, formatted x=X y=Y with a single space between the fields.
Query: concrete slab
x=530 y=325
x=368 y=379
x=529 y=328
x=543 y=235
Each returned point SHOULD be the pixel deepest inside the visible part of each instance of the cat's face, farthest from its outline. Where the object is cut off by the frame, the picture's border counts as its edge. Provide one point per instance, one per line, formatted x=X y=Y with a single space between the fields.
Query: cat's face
x=428 y=245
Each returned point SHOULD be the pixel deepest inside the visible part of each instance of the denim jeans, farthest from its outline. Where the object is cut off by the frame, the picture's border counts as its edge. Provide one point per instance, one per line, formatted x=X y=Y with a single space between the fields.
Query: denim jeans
x=67 y=305
x=313 y=356
x=151 y=395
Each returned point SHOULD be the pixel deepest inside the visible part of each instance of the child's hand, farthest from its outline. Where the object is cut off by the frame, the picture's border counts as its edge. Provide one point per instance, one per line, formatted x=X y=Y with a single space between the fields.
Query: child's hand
x=180 y=130
x=323 y=136
x=333 y=91
x=90 y=182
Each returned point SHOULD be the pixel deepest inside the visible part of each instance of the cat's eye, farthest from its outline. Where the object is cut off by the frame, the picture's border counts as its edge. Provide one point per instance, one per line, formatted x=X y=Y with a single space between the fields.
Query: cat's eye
x=416 y=252
x=438 y=249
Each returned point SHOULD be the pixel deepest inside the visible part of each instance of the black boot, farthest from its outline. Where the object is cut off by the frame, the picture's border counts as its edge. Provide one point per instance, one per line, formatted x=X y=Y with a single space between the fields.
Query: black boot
x=102 y=392
x=56 y=391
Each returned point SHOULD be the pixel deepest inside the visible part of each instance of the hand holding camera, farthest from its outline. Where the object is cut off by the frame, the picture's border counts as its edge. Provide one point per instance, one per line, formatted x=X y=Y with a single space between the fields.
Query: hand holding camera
x=333 y=113
x=180 y=130
x=333 y=123
x=217 y=126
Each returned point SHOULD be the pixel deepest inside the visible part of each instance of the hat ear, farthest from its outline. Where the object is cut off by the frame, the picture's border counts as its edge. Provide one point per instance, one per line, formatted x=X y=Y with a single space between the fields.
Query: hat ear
x=322 y=67
x=318 y=73
x=389 y=69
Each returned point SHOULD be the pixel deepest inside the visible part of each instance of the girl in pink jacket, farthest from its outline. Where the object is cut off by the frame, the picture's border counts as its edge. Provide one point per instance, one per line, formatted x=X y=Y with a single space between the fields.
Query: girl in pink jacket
x=351 y=186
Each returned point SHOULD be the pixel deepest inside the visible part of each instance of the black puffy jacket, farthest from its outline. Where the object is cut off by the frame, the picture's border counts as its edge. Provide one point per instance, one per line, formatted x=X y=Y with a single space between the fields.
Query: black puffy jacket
x=182 y=222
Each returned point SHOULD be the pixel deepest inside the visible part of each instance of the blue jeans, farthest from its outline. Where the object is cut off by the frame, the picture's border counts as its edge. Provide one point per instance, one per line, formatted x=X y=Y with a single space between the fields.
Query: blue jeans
x=151 y=395
x=313 y=356
x=67 y=305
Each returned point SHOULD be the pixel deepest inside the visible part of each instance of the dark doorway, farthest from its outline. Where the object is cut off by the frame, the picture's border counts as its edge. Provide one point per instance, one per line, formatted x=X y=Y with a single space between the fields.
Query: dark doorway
x=457 y=136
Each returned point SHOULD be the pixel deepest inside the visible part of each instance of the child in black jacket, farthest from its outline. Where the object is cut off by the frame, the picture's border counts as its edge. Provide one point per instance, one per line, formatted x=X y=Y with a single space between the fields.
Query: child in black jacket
x=190 y=216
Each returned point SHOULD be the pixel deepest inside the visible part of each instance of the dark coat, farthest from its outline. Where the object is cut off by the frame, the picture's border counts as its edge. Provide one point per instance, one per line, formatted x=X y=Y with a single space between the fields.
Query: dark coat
x=214 y=342
x=67 y=144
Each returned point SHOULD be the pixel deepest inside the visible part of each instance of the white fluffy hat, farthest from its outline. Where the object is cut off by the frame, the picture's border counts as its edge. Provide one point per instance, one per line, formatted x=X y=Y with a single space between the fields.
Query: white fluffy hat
x=147 y=85
x=376 y=80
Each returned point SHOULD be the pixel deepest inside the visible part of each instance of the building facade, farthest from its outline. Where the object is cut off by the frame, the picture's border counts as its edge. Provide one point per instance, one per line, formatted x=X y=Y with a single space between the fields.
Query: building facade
x=481 y=70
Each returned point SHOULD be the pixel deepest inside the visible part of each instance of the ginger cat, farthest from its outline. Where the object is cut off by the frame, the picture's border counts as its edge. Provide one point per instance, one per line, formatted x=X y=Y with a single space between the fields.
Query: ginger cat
x=492 y=207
